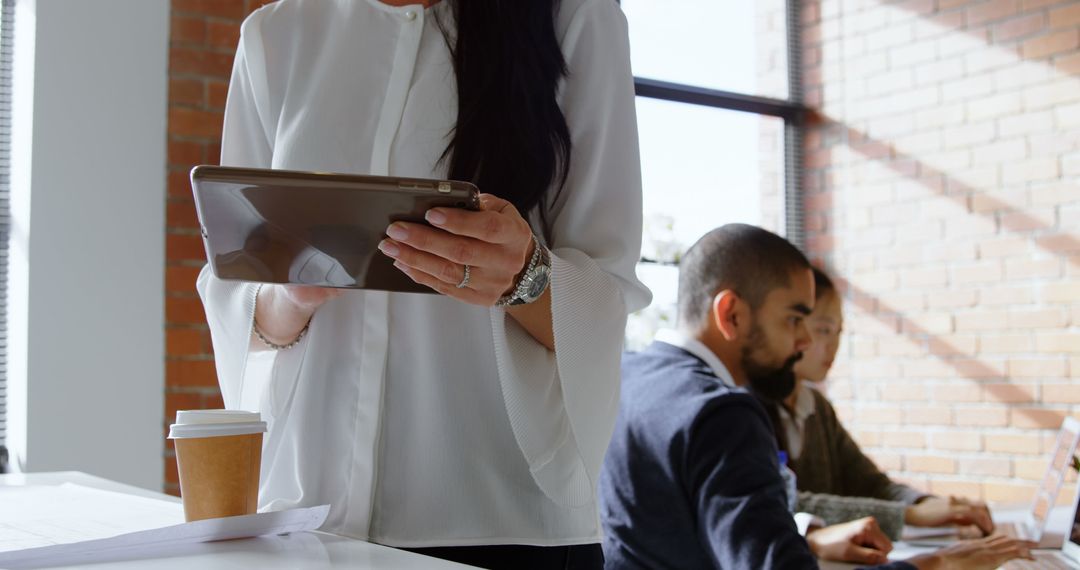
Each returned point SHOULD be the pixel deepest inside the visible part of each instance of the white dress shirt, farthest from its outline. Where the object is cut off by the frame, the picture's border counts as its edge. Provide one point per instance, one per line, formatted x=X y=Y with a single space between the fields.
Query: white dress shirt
x=422 y=420
x=697 y=348
x=793 y=422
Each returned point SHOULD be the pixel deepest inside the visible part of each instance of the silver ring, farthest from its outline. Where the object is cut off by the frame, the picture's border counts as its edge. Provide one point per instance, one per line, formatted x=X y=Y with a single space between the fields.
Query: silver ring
x=465 y=279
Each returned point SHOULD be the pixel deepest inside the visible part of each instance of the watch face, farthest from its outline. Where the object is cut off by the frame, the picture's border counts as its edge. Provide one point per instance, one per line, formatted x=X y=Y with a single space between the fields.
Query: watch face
x=538 y=281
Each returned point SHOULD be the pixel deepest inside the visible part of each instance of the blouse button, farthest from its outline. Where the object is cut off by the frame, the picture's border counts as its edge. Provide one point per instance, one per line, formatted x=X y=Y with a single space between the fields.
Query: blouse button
x=410 y=15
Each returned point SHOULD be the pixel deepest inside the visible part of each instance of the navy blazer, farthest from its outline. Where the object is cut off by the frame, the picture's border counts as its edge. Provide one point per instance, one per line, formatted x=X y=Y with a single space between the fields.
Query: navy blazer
x=691 y=478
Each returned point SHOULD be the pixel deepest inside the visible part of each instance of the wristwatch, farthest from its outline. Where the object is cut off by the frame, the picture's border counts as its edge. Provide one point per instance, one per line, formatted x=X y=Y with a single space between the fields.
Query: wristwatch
x=534 y=280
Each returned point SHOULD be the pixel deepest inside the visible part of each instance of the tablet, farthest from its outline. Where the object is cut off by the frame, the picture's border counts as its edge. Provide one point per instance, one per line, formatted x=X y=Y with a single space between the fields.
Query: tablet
x=310 y=228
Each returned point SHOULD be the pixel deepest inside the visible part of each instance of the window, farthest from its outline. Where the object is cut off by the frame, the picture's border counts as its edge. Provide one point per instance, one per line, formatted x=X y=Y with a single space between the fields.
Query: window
x=728 y=45
x=7 y=13
x=719 y=117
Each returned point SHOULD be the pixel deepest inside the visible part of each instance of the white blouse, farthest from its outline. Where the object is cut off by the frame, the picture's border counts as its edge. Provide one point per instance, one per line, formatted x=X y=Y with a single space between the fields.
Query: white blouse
x=422 y=420
x=794 y=422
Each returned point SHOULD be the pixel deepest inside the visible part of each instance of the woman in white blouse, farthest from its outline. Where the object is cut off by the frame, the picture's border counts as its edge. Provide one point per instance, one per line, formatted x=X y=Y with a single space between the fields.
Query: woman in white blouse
x=470 y=424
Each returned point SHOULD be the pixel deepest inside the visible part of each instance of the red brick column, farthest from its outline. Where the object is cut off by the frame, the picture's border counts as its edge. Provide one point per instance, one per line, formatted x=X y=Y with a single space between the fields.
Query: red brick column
x=202 y=44
x=943 y=188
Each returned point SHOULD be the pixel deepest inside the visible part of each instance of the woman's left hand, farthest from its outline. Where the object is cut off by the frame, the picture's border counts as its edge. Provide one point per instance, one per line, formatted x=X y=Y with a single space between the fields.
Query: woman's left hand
x=495 y=242
x=939 y=511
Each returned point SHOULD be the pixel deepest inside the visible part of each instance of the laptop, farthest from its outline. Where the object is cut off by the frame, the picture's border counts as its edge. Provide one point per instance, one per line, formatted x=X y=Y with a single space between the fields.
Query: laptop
x=1069 y=554
x=1033 y=524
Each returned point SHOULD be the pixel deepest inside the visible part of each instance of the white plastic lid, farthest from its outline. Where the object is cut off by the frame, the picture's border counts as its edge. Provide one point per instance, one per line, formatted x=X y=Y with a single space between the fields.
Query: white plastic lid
x=213 y=423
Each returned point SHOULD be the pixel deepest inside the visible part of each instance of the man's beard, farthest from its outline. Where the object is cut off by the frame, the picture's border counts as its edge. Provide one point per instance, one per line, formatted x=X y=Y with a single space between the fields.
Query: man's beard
x=767 y=381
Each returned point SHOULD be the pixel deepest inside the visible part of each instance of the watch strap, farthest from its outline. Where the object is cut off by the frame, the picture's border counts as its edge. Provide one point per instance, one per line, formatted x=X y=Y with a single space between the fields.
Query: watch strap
x=517 y=295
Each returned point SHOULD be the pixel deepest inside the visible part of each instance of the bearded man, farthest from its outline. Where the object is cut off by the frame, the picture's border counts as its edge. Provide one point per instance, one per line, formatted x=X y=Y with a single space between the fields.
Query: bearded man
x=691 y=478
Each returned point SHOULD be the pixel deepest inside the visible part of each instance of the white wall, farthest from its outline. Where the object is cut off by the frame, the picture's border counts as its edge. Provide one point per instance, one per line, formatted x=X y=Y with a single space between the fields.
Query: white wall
x=86 y=358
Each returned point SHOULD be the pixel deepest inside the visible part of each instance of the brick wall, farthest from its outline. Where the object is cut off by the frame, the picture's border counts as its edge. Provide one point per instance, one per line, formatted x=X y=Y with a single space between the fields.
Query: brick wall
x=202 y=44
x=944 y=189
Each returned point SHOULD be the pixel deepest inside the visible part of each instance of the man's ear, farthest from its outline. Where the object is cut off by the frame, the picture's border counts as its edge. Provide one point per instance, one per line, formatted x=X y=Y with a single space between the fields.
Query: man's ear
x=727 y=315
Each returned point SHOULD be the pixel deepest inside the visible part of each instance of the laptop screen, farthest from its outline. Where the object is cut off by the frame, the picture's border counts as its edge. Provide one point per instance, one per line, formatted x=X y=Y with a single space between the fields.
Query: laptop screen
x=1063 y=450
x=1061 y=461
x=1074 y=532
x=1041 y=508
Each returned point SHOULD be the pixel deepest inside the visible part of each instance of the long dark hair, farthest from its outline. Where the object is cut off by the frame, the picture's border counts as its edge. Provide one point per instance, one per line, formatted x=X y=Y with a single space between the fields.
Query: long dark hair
x=823 y=284
x=511 y=138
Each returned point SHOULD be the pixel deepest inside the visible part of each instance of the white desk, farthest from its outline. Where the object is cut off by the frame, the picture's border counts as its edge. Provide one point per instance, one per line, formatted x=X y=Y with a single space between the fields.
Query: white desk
x=308 y=550
x=1059 y=523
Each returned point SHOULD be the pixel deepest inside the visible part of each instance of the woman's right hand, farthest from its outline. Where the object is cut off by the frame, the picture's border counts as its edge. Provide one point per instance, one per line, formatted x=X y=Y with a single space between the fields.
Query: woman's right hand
x=859 y=541
x=985 y=553
x=306 y=297
x=282 y=311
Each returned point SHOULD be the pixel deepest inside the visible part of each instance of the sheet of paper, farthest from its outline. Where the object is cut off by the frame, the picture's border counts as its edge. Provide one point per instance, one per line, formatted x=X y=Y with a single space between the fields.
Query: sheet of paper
x=44 y=515
x=51 y=525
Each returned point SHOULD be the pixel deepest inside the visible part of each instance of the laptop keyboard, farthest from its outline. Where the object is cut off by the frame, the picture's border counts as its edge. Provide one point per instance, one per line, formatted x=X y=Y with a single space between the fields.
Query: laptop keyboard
x=1011 y=530
x=1043 y=561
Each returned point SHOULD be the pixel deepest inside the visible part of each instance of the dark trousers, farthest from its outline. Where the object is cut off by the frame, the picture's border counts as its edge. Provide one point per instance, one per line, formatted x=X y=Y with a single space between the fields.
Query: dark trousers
x=516 y=557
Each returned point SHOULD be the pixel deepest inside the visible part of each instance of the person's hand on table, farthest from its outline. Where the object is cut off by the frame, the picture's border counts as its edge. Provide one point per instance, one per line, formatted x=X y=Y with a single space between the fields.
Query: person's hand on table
x=859 y=541
x=982 y=554
x=954 y=511
x=494 y=243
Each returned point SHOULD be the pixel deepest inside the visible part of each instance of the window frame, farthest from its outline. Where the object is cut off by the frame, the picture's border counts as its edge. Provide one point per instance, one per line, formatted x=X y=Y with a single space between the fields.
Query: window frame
x=7 y=43
x=792 y=110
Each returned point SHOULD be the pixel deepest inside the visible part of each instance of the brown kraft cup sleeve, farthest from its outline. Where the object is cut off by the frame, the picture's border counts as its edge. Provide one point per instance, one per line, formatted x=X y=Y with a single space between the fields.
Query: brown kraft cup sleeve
x=219 y=476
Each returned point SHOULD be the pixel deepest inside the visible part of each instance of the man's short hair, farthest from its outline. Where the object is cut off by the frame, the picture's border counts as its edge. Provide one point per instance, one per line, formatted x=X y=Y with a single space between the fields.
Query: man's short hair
x=742 y=258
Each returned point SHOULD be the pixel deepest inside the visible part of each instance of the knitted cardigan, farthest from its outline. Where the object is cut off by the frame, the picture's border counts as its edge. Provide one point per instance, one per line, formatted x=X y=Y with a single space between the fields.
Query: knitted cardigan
x=838 y=483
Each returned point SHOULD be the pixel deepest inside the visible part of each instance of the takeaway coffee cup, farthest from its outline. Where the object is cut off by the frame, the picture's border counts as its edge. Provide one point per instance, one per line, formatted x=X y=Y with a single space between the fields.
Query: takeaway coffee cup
x=218 y=453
